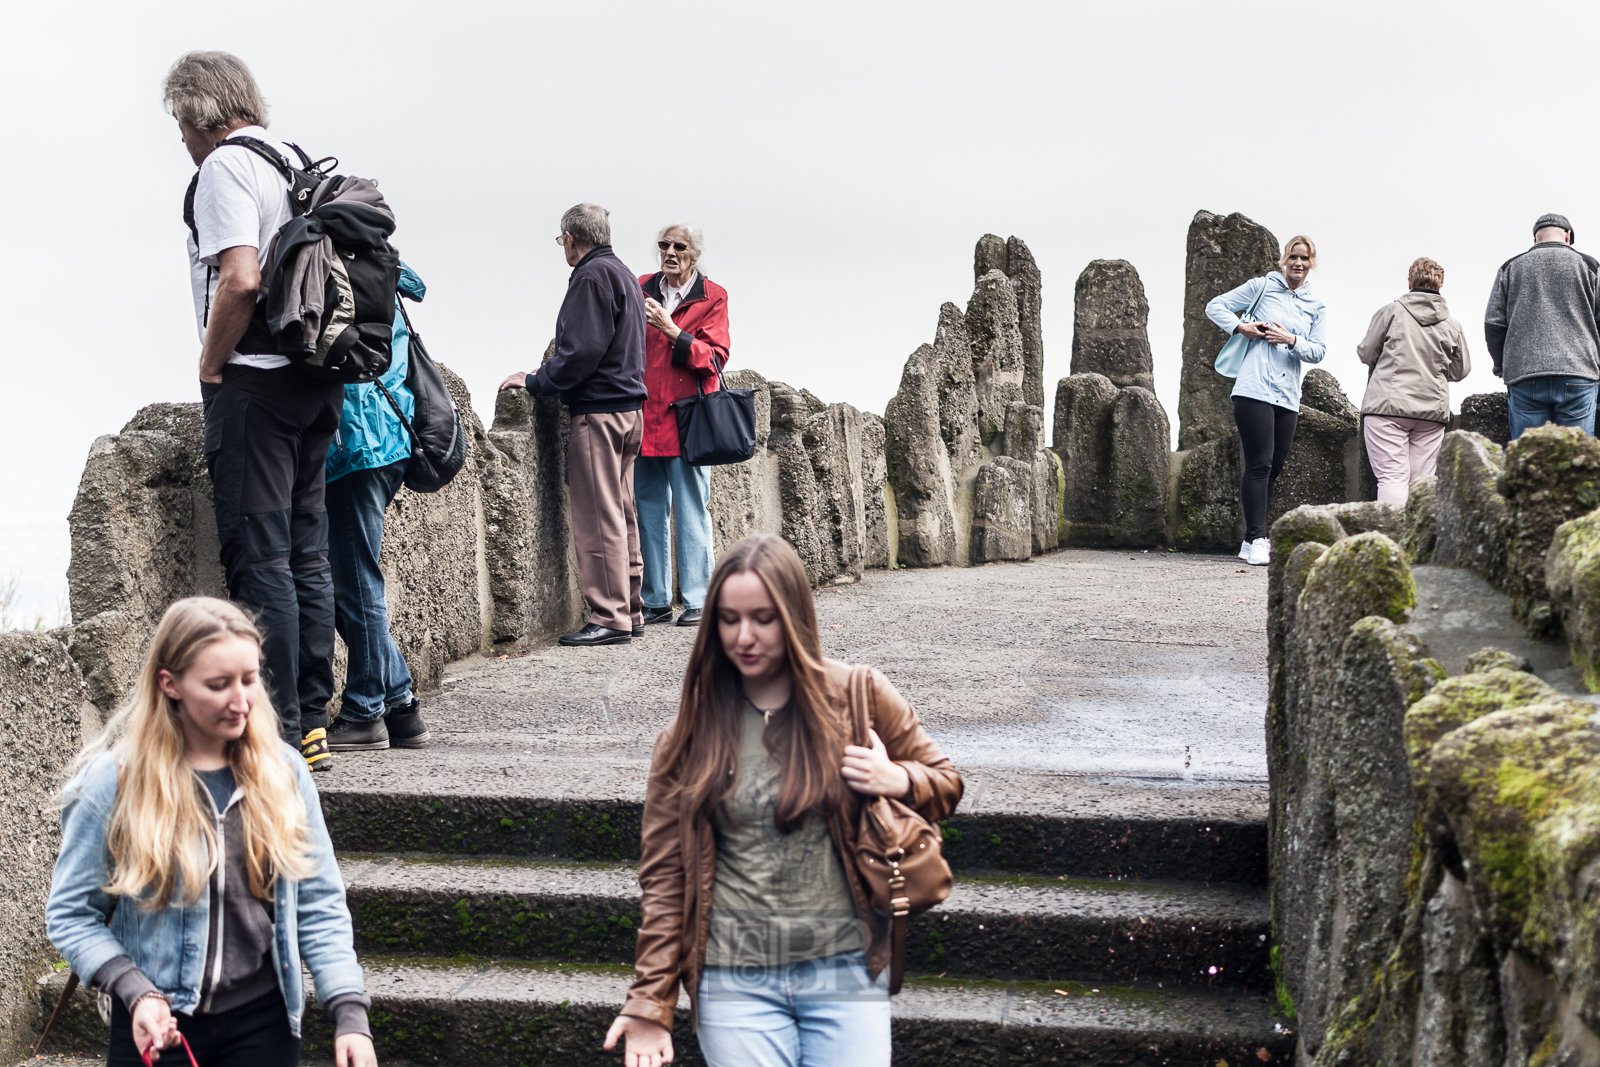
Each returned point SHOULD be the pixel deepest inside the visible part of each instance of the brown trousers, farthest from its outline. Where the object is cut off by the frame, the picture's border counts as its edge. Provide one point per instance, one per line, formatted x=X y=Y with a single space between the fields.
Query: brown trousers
x=605 y=529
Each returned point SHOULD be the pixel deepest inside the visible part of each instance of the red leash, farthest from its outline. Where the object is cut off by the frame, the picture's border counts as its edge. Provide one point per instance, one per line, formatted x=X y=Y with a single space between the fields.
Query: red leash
x=181 y=1040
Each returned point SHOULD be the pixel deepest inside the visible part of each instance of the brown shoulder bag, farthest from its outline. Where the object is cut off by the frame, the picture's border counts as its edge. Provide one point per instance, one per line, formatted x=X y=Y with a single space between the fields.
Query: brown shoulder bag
x=898 y=852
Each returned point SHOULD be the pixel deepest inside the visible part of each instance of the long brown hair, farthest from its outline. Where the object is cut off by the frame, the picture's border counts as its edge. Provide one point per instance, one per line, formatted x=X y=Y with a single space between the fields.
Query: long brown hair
x=807 y=737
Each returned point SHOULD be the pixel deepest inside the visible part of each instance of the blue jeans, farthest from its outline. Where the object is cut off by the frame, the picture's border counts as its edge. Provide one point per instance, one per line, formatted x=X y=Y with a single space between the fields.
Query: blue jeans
x=377 y=677
x=1559 y=399
x=663 y=485
x=815 y=1012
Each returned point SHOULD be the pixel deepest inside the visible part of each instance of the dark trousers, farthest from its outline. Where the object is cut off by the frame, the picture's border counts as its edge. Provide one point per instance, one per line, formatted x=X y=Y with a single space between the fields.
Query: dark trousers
x=267 y=439
x=1266 y=433
x=377 y=678
x=256 y=1034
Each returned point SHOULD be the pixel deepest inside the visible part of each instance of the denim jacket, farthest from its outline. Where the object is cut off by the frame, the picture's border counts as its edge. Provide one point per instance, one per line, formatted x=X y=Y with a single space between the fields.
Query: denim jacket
x=311 y=920
x=1272 y=372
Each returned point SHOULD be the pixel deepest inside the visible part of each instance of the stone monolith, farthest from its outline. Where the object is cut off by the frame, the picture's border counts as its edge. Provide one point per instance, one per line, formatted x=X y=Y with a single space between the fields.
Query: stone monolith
x=1110 y=315
x=1224 y=251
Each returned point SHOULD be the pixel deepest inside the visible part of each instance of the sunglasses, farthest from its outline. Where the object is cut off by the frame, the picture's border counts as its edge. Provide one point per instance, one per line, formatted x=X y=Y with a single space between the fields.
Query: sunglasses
x=677 y=246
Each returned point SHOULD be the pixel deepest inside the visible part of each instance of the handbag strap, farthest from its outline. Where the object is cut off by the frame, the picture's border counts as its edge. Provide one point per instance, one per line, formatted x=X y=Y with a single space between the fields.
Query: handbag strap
x=860 y=695
x=1257 y=301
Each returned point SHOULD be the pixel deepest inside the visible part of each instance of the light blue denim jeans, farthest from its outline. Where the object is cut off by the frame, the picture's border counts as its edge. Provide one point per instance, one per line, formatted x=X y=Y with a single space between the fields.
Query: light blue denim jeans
x=1562 y=400
x=824 y=1011
x=377 y=677
x=666 y=486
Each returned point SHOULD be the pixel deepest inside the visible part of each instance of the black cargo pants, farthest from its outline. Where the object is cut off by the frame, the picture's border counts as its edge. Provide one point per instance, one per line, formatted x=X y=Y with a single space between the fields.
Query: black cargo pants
x=267 y=439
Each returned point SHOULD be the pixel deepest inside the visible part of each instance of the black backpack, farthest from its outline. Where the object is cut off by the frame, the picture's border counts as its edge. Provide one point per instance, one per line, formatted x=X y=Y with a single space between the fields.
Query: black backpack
x=351 y=342
x=438 y=445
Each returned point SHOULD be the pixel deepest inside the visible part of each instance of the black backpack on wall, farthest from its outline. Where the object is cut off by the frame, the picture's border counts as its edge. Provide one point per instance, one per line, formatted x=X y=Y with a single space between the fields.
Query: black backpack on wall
x=438 y=443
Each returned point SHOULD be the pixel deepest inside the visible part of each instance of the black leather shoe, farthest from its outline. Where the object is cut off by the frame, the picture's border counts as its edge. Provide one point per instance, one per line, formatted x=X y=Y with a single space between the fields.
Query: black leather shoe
x=638 y=629
x=348 y=735
x=653 y=615
x=595 y=634
x=405 y=725
x=690 y=617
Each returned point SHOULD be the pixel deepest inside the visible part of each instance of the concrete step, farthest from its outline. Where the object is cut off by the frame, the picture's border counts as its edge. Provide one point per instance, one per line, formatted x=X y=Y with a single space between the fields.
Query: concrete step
x=1020 y=822
x=1027 y=928
x=510 y=1014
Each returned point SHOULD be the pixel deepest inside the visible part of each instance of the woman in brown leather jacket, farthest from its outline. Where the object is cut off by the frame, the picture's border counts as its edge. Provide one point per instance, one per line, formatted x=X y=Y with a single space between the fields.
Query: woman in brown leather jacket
x=750 y=901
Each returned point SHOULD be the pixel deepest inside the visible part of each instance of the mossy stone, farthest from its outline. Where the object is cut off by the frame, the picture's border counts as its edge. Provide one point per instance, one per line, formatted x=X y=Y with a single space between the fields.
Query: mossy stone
x=1420 y=529
x=1572 y=581
x=1552 y=475
x=1455 y=702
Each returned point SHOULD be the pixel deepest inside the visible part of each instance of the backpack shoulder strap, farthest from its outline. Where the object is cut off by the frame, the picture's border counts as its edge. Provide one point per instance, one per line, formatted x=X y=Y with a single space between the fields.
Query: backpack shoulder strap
x=264 y=150
x=303 y=181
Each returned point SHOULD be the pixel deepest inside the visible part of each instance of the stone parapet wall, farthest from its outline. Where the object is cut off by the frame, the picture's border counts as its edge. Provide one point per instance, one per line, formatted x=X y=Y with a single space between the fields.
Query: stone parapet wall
x=42 y=706
x=485 y=564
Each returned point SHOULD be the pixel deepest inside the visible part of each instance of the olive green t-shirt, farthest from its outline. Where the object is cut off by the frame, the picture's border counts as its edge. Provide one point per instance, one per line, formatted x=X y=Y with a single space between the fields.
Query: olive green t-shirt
x=779 y=898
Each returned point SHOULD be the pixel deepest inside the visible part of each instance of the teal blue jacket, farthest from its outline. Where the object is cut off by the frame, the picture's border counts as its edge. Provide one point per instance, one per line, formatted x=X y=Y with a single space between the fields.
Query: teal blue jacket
x=370 y=433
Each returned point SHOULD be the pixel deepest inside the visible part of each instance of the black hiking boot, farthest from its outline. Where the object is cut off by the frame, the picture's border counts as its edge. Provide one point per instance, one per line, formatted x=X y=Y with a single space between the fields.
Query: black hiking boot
x=406 y=728
x=348 y=735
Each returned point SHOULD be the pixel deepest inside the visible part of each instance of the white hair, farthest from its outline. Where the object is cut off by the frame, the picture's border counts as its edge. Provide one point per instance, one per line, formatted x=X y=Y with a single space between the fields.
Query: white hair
x=697 y=240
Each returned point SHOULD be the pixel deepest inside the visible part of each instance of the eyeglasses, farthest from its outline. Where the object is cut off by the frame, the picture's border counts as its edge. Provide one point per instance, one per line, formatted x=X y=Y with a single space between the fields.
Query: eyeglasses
x=561 y=238
x=677 y=246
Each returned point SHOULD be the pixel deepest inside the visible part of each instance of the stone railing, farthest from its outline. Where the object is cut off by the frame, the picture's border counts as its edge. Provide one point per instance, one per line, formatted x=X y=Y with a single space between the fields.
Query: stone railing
x=43 y=712
x=1435 y=837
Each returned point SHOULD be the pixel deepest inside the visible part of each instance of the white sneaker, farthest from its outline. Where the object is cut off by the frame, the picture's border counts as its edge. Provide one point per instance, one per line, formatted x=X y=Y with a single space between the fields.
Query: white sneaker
x=1244 y=551
x=1260 y=552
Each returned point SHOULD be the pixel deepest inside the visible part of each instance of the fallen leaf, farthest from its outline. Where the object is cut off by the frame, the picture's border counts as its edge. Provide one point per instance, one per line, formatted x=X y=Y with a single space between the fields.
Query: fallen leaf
x=1263 y=1055
x=1063 y=992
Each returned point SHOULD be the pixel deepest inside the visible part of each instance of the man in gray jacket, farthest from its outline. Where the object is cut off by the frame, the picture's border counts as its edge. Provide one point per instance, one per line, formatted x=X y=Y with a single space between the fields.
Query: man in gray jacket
x=1543 y=330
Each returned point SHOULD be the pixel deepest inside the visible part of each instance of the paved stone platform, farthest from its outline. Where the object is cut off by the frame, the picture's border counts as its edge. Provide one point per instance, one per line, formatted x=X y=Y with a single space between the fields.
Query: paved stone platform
x=1133 y=681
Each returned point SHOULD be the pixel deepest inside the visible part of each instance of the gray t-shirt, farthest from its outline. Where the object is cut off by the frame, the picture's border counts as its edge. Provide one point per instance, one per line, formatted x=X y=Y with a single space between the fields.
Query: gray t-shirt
x=779 y=898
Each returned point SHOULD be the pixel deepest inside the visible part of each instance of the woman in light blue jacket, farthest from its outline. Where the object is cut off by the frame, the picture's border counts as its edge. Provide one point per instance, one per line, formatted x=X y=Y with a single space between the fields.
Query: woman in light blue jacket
x=195 y=872
x=1286 y=331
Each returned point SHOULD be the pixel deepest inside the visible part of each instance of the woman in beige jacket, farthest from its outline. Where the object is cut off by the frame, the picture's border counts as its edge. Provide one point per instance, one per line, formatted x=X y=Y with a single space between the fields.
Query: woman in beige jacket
x=1413 y=350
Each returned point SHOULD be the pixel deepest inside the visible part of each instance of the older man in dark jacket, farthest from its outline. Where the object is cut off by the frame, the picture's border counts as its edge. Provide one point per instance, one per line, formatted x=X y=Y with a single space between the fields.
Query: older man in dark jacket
x=598 y=372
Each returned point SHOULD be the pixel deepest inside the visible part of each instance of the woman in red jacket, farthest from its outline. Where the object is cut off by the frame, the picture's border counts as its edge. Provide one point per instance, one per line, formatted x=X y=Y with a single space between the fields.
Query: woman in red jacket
x=687 y=345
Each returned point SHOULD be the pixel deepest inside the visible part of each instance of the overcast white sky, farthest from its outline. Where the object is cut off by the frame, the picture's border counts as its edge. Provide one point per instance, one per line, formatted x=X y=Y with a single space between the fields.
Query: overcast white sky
x=842 y=159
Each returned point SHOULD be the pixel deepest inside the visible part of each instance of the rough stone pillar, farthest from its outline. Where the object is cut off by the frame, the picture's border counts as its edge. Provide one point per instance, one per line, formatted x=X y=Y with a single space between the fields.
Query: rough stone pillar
x=1012 y=258
x=1224 y=252
x=1110 y=315
x=997 y=359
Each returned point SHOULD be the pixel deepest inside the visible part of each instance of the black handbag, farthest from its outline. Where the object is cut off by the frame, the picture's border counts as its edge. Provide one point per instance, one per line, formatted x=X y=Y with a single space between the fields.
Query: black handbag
x=716 y=428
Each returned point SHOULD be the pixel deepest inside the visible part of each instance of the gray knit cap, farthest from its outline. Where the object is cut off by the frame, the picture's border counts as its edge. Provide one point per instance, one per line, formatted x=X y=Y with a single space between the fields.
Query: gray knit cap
x=1552 y=219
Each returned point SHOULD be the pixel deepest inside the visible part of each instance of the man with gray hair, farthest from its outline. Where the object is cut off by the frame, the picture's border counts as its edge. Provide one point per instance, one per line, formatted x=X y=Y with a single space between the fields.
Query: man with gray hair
x=1543 y=330
x=268 y=424
x=598 y=372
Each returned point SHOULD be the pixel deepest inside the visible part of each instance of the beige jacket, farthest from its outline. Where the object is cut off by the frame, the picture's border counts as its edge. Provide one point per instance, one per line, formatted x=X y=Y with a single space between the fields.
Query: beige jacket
x=678 y=854
x=1414 y=349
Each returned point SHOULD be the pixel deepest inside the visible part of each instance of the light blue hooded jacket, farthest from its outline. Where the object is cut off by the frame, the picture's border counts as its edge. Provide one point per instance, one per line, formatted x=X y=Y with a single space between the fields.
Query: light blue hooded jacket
x=370 y=433
x=311 y=921
x=1272 y=372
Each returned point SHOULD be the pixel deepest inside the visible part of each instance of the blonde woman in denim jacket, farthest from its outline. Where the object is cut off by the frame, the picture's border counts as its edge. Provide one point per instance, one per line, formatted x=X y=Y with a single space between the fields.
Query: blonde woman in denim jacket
x=196 y=873
x=1289 y=330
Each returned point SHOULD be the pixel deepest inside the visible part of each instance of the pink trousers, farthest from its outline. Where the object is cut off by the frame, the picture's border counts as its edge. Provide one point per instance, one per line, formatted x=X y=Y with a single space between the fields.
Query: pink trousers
x=1401 y=451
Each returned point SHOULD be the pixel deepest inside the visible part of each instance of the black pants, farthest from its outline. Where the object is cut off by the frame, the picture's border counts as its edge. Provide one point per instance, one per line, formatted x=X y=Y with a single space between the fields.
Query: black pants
x=1266 y=432
x=252 y=1035
x=267 y=439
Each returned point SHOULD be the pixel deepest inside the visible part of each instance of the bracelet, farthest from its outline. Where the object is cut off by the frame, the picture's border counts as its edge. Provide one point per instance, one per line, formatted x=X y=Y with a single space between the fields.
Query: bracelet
x=146 y=995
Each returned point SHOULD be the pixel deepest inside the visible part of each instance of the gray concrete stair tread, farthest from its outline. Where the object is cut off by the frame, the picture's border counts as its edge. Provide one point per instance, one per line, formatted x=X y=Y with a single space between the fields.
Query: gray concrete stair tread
x=1000 y=897
x=1015 y=1004
x=535 y=777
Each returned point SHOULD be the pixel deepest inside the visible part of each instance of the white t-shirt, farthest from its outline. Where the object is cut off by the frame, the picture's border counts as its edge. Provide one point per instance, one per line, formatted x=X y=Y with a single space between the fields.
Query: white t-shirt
x=241 y=200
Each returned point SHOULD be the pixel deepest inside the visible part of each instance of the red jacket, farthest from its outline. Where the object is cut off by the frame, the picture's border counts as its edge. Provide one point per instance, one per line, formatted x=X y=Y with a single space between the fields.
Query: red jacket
x=670 y=370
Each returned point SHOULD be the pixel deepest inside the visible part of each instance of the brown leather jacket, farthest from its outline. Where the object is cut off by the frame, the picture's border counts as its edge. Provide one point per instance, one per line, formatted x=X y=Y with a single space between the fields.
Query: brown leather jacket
x=678 y=855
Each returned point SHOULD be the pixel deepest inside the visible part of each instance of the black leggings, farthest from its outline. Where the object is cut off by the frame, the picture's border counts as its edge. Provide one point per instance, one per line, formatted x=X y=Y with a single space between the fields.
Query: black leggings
x=1266 y=432
x=252 y=1035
